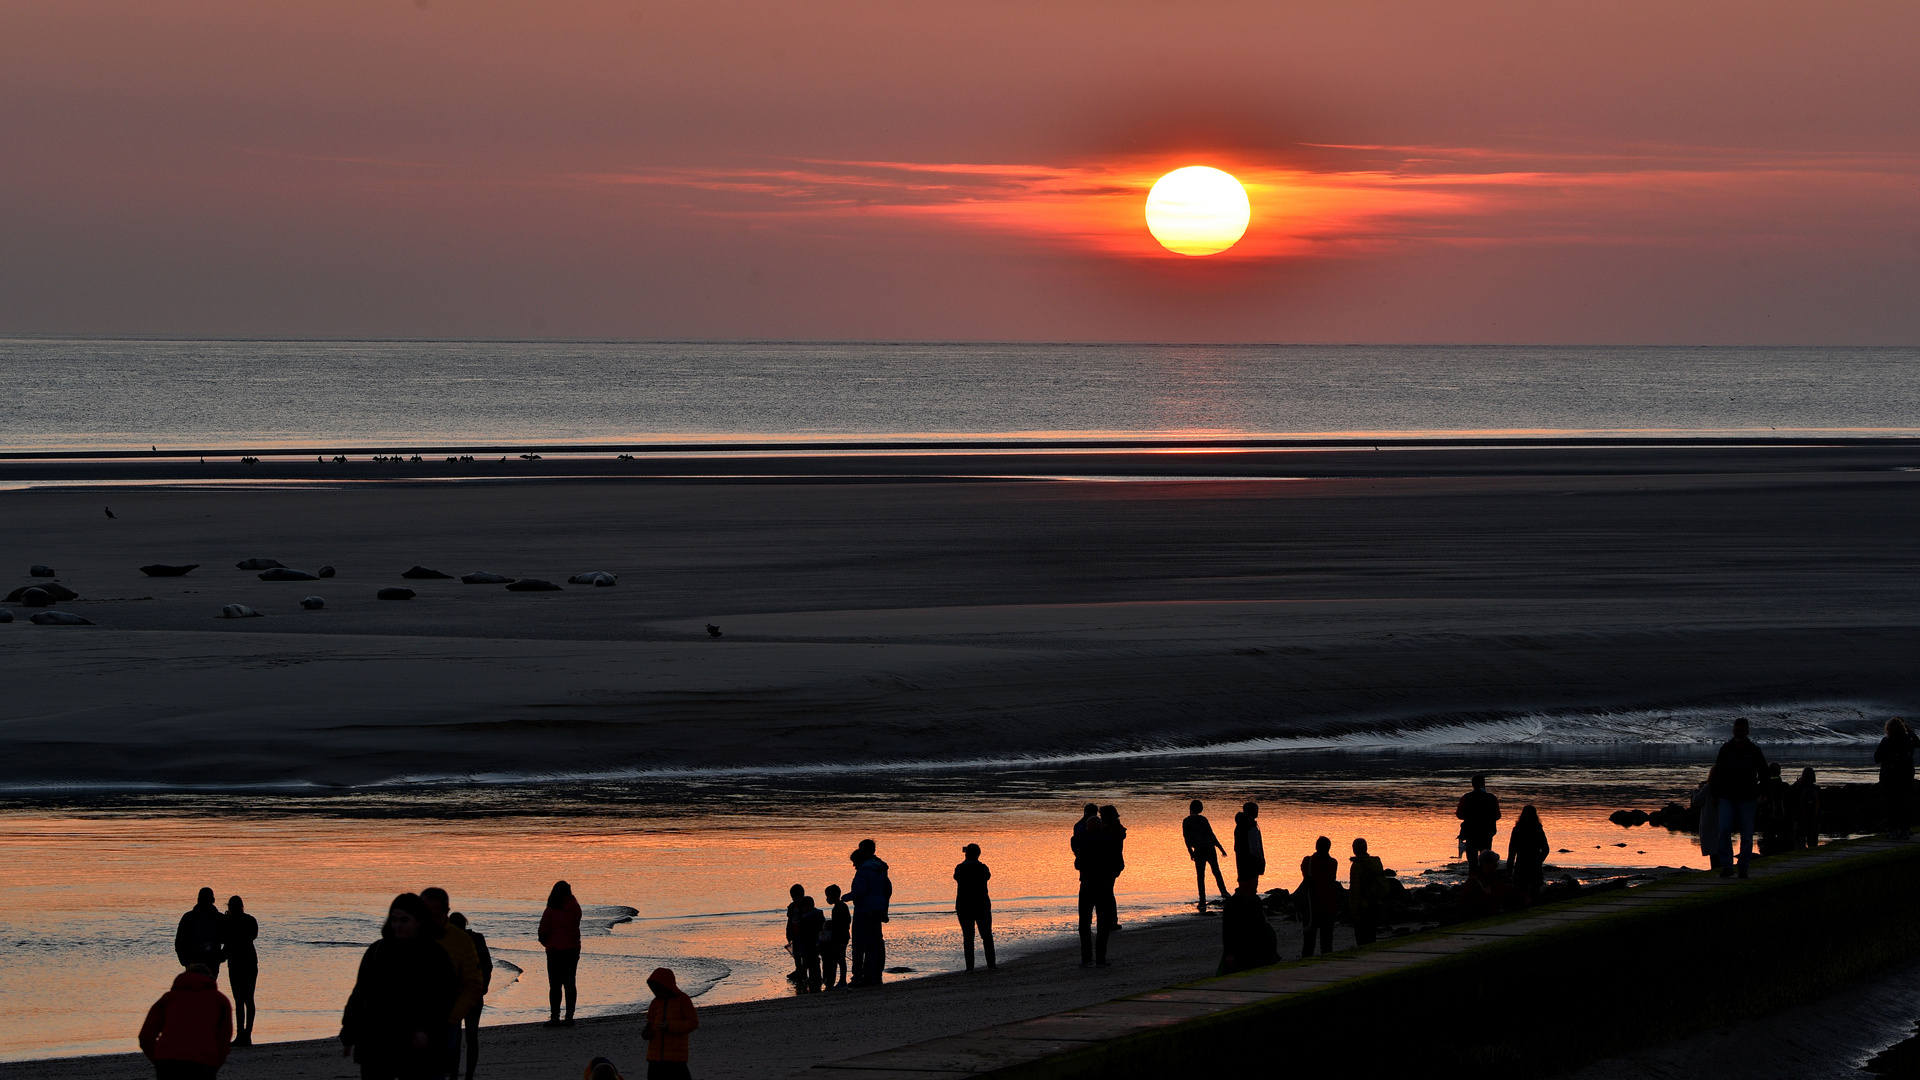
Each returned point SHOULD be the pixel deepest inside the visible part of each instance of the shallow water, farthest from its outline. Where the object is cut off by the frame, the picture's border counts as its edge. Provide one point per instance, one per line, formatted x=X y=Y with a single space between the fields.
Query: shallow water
x=108 y=394
x=692 y=872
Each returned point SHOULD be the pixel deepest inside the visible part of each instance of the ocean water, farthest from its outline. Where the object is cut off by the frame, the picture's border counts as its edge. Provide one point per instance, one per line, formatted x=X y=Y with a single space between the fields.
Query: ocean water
x=69 y=394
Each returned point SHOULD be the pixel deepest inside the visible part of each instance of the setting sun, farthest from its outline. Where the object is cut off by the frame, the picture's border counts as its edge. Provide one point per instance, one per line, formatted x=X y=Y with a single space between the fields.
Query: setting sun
x=1197 y=211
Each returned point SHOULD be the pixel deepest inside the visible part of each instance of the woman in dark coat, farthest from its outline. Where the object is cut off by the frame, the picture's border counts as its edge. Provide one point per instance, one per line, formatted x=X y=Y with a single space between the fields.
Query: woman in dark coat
x=1527 y=851
x=395 y=1024
x=1894 y=755
x=243 y=967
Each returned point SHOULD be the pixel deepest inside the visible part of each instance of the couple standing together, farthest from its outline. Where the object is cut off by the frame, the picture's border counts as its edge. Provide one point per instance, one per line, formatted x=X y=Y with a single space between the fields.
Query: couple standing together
x=1249 y=855
x=1099 y=853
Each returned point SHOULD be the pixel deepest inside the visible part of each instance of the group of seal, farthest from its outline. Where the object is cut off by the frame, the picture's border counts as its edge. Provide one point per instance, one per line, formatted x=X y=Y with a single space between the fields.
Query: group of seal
x=44 y=594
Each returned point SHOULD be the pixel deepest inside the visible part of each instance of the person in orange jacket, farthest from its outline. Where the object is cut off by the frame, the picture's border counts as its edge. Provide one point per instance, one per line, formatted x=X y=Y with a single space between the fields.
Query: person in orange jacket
x=670 y=1017
x=189 y=1030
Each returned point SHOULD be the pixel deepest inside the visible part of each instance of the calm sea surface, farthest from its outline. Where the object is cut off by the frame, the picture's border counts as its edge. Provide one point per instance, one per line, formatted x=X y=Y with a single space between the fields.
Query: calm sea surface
x=88 y=394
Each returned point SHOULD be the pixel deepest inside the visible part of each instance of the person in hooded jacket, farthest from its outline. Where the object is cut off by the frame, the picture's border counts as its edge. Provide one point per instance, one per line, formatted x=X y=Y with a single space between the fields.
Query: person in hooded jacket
x=1527 y=851
x=671 y=1017
x=188 y=1031
x=871 y=892
x=560 y=935
x=243 y=967
x=202 y=935
x=395 y=1022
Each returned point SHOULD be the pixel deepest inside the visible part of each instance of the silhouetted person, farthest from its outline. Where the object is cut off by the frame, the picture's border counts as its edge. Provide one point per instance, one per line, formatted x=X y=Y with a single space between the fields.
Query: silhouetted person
x=471 y=1024
x=202 y=936
x=1708 y=805
x=872 y=891
x=1205 y=850
x=807 y=929
x=458 y=945
x=833 y=953
x=1249 y=854
x=395 y=1021
x=1806 y=810
x=971 y=904
x=1479 y=813
x=243 y=966
x=1894 y=755
x=1737 y=772
x=560 y=935
x=1484 y=893
x=794 y=894
x=1527 y=851
x=1089 y=821
x=602 y=1069
x=1100 y=856
x=1775 y=817
x=1367 y=892
x=1246 y=938
x=188 y=1030
x=1320 y=880
x=671 y=1017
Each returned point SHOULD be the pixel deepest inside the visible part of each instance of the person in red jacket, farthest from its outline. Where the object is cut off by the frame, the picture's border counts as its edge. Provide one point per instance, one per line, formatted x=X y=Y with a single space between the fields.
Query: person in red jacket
x=669 y=1018
x=189 y=1030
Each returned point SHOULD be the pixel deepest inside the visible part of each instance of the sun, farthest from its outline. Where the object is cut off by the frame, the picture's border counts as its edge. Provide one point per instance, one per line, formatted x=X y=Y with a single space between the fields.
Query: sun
x=1197 y=211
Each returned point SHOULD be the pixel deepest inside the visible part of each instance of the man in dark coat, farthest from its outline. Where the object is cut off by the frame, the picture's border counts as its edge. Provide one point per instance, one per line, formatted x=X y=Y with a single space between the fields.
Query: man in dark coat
x=1737 y=773
x=202 y=935
x=1478 y=812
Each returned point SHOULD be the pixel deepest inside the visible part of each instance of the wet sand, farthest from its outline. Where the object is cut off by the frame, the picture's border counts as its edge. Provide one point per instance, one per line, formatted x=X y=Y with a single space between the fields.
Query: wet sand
x=902 y=620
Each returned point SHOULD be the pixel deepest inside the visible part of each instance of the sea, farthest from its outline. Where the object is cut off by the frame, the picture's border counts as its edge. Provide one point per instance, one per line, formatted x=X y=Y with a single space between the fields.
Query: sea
x=691 y=870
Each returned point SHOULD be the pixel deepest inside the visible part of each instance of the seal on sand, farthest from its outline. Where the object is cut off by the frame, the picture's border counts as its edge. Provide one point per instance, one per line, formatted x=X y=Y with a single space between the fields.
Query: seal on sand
x=59 y=618
x=481 y=577
x=239 y=611
x=420 y=573
x=533 y=584
x=161 y=569
x=313 y=603
x=326 y=571
x=53 y=590
x=259 y=564
x=594 y=577
x=395 y=594
x=284 y=574
x=40 y=570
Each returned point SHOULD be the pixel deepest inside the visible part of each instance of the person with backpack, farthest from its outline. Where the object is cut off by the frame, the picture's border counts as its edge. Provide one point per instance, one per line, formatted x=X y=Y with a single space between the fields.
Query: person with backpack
x=188 y=1031
x=671 y=1017
x=1367 y=888
x=971 y=903
x=201 y=937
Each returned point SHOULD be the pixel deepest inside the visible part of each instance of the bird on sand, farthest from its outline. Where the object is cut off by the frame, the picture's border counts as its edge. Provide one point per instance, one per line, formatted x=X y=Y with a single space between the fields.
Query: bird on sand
x=109 y=511
x=712 y=630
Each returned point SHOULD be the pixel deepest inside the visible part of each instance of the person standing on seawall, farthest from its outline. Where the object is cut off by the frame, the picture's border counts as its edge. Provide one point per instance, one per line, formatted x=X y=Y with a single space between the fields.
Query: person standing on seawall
x=1249 y=852
x=560 y=936
x=1320 y=881
x=1478 y=811
x=243 y=967
x=1737 y=773
x=1205 y=849
x=201 y=937
x=971 y=903
x=1894 y=755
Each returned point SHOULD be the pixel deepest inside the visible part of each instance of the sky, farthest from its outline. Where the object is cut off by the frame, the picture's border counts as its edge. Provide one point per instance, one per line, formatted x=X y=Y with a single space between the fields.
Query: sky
x=897 y=170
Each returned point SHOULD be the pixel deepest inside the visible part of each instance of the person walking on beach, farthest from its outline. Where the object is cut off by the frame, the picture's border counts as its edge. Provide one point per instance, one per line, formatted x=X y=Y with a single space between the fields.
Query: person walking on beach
x=188 y=1031
x=1102 y=859
x=560 y=935
x=971 y=903
x=1205 y=850
x=471 y=1023
x=1737 y=772
x=1367 y=892
x=1246 y=938
x=243 y=966
x=671 y=1017
x=834 y=948
x=871 y=892
x=1478 y=812
x=1527 y=851
x=1806 y=810
x=1894 y=755
x=458 y=946
x=807 y=930
x=201 y=937
x=1320 y=882
x=1249 y=854
x=794 y=895
x=395 y=1022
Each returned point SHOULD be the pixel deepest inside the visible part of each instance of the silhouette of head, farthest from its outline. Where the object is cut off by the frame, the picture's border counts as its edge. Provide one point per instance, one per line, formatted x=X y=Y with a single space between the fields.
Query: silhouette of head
x=1193 y=807
x=1110 y=816
x=1251 y=809
x=205 y=897
x=971 y=851
x=1091 y=810
x=236 y=905
x=437 y=902
x=807 y=902
x=1773 y=770
x=833 y=894
x=407 y=917
x=797 y=891
x=1479 y=783
x=1806 y=776
x=1359 y=845
x=200 y=969
x=1895 y=725
x=868 y=846
x=559 y=894
x=1323 y=845
x=457 y=919
x=1740 y=728
x=1528 y=815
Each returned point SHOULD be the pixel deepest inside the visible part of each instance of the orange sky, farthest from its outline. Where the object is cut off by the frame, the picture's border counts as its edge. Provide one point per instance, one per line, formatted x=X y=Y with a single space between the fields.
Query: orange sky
x=1420 y=171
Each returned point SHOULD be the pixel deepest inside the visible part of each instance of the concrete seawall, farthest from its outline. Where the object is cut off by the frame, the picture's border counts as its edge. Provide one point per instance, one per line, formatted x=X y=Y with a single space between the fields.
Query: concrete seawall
x=1530 y=994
